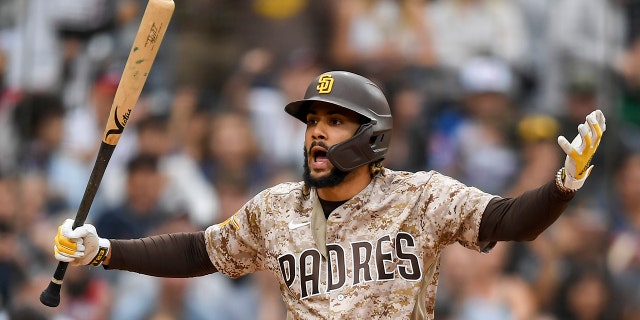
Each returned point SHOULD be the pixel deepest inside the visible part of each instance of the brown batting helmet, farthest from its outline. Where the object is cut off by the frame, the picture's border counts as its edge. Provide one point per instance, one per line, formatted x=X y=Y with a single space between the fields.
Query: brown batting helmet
x=358 y=94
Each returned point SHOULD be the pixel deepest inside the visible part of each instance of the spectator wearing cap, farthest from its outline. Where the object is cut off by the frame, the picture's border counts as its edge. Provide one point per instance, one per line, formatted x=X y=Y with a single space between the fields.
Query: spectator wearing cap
x=140 y=212
x=486 y=75
x=475 y=145
x=537 y=134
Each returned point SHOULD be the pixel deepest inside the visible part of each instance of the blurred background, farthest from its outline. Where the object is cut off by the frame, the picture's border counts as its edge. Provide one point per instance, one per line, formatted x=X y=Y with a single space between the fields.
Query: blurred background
x=480 y=90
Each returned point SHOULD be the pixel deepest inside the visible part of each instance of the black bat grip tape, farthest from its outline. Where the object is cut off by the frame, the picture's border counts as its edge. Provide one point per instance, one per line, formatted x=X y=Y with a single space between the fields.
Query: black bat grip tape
x=51 y=295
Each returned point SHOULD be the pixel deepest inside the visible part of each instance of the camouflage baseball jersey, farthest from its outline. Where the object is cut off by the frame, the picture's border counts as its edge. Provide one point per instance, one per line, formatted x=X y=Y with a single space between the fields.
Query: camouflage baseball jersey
x=375 y=257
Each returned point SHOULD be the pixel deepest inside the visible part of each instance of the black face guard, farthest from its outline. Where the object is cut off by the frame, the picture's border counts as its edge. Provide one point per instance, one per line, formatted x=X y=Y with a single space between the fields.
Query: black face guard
x=356 y=151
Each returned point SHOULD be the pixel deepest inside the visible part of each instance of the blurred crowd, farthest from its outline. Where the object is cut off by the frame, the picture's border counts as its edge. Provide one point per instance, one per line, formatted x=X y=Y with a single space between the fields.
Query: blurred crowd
x=479 y=89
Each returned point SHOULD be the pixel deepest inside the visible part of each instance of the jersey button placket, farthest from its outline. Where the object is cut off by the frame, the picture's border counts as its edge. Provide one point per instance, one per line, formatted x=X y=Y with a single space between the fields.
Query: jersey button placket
x=335 y=304
x=334 y=226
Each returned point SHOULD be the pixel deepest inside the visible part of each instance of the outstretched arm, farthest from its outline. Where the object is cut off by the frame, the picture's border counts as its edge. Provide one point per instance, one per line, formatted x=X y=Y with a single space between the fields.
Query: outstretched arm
x=176 y=255
x=523 y=218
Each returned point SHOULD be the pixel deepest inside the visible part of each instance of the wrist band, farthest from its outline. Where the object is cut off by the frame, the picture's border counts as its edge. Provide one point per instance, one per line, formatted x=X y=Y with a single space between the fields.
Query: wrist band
x=560 y=178
x=103 y=249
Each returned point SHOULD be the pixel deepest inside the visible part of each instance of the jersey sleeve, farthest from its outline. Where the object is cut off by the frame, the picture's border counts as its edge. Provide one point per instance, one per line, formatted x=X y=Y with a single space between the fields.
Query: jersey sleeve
x=235 y=245
x=465 y=206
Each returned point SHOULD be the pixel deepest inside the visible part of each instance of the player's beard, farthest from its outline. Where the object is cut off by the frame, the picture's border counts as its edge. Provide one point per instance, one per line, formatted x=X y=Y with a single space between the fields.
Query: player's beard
x=334 y=178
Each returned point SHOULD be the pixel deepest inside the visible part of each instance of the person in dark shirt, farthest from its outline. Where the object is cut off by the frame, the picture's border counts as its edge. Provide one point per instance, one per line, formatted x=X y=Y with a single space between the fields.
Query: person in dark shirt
x=140 y=212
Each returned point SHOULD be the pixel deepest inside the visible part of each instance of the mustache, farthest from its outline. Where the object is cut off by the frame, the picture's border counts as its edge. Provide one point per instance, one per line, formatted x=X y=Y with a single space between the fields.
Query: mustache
x=317 y=144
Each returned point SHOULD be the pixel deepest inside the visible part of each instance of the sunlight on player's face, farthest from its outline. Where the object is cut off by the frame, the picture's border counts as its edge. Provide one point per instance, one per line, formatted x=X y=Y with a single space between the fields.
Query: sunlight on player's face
x=327 y=124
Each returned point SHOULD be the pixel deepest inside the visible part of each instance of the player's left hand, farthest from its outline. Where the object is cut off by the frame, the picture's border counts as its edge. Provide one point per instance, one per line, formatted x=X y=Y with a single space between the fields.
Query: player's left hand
x=580 y=151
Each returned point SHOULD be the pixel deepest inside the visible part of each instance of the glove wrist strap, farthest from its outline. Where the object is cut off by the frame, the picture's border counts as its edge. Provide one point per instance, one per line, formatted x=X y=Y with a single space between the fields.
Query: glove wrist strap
x=103 y=248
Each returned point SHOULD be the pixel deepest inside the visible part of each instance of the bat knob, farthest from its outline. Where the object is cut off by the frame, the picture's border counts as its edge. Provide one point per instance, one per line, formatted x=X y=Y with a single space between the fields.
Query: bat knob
x=50 y=297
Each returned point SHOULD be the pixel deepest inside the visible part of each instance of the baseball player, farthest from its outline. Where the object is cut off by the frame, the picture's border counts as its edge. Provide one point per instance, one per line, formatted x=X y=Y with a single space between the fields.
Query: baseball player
x=353 y=239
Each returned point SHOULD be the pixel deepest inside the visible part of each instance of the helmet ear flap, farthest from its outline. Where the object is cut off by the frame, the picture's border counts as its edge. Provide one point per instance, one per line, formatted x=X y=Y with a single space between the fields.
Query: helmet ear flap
x=355 y=151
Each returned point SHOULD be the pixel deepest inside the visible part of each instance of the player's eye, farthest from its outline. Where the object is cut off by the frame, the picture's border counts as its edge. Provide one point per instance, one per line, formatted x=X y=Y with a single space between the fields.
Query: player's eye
x=336 y=121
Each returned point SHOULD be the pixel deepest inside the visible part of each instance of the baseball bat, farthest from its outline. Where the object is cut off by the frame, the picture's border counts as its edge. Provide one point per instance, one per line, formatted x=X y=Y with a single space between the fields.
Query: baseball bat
x=152 y=28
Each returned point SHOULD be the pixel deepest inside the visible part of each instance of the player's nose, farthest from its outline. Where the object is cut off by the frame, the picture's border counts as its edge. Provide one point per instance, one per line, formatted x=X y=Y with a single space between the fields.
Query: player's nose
x=318 y=131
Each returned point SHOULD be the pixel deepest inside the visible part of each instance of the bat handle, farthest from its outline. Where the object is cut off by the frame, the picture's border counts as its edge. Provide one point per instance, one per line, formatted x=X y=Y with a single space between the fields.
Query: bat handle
x=50 y=296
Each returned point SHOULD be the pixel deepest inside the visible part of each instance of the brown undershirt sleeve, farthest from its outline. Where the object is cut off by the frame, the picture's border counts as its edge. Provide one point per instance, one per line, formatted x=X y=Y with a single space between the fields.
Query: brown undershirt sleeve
x=525 y=217
x=175 y=255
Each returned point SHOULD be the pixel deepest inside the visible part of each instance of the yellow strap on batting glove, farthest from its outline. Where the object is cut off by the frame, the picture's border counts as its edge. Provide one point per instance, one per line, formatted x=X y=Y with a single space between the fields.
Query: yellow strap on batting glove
x=577 y=165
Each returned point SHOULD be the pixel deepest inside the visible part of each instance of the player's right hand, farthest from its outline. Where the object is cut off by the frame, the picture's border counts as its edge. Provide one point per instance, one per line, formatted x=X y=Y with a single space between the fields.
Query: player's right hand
x=80 y=246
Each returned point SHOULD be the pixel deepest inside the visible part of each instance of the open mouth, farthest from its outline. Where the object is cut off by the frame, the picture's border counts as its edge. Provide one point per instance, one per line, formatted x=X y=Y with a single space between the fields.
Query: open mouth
x=318 y=154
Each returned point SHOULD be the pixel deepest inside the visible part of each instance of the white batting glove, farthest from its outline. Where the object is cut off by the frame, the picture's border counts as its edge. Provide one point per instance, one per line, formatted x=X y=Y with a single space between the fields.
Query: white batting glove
x=577 y=165
x=80 y=246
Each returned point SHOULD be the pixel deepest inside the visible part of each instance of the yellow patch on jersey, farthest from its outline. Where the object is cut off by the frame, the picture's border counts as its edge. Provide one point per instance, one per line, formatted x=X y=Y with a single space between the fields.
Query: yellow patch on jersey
x=233 y=221
x=325 y=84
